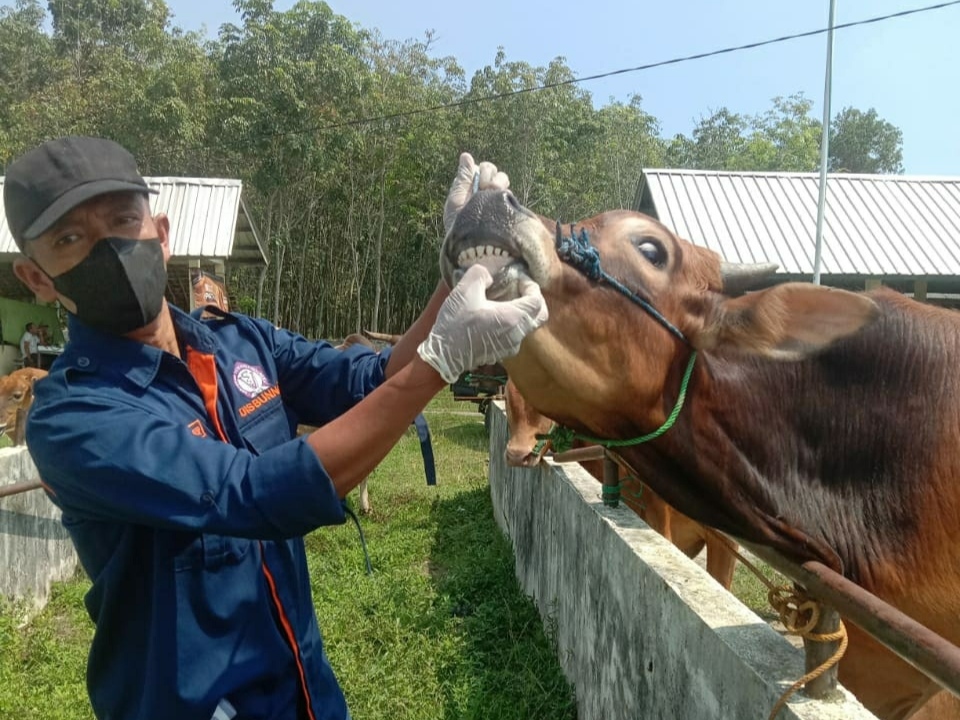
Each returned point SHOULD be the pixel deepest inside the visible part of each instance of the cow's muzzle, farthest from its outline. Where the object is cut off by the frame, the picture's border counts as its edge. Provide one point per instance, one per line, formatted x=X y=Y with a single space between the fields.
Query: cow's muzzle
x=485 y=232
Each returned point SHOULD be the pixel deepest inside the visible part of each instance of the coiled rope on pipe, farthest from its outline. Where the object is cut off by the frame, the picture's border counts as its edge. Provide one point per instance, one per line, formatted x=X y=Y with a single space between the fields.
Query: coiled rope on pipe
x=799 y=614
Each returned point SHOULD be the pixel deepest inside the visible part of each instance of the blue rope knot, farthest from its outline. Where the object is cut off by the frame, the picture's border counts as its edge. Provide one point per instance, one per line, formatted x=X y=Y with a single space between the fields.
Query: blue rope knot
x=578 y=252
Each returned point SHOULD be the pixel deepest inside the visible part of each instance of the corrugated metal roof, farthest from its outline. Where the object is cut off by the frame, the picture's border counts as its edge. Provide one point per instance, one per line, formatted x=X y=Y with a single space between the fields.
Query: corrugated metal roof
x=207 y=219
x=874 y=225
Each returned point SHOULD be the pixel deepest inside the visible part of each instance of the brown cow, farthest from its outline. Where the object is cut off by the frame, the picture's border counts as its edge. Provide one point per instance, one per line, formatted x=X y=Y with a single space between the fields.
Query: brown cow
x=16 y=396
x=689 y=536
x=819 y=422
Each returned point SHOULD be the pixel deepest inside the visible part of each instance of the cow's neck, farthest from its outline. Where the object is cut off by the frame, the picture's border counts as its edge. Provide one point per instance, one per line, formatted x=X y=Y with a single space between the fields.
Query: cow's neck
x=849 y=451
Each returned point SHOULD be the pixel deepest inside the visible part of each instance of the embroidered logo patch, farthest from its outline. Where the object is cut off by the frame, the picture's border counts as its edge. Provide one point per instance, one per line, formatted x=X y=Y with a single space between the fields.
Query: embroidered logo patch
x=196 y=428
x=250 y=379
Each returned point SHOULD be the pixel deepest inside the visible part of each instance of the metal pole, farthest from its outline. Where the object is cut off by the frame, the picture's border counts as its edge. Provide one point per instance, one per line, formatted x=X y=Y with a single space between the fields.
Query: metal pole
x=824 y=145
x=20 y=487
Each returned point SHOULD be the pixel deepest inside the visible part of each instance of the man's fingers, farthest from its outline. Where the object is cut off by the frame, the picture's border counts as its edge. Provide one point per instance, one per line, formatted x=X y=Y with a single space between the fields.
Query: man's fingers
x=466 y=169
x=491 y=178
x=527 y=285
x=474 y=283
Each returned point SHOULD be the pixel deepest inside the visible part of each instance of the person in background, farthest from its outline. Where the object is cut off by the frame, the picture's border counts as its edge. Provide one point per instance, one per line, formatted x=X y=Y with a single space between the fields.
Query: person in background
x=30 y=346
x=168 y=442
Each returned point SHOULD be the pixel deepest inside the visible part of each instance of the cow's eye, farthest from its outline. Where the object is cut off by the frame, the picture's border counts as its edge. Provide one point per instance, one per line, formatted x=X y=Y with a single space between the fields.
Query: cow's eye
x=18 y=396
x=653 y=251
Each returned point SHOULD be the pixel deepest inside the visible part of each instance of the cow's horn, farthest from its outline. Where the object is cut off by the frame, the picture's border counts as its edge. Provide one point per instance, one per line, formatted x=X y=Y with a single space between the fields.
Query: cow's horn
x=738 y=278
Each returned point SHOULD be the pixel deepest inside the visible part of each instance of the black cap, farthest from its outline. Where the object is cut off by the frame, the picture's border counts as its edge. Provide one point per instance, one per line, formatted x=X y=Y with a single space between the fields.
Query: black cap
x=49 y=181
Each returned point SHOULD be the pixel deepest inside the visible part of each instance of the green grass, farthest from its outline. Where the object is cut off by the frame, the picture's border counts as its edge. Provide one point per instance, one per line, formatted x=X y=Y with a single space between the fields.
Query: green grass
x=440 y=630
x=42 y=662
x=752 y=592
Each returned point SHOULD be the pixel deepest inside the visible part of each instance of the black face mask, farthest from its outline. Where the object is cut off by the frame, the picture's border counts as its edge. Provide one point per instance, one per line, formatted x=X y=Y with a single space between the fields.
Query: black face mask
x=119 y=286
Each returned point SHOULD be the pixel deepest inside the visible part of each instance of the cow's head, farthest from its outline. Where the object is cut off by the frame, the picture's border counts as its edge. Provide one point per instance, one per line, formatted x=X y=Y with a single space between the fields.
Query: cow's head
x=600 y=363
x=16 y=395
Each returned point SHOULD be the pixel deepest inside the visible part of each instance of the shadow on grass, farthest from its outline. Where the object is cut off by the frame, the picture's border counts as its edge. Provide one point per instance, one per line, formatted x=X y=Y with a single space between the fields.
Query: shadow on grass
x=470 y=435
x=515 y=672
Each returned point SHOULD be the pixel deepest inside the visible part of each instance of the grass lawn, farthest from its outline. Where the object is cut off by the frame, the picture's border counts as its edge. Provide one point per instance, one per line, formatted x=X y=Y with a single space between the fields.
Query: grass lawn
x=440 y=630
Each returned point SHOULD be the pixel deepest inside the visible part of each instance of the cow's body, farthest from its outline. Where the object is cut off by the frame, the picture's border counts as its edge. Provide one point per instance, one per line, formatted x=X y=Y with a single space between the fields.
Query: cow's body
x=691 y=537
x=819 y=422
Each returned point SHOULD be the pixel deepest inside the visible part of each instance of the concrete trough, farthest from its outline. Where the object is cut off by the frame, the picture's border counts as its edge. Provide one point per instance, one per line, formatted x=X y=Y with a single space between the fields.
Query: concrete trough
x=35 y=550
x=641 y=630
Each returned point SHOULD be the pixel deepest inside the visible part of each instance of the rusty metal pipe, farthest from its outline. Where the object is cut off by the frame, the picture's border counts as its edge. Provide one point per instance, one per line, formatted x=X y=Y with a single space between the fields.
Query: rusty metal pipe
x=20 y=487
x=916 y=644
x=611 y=482
x=581 y=454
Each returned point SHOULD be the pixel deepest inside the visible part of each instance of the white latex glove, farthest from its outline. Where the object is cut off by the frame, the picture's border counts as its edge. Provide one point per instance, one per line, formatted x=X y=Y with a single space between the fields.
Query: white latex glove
x=462 y=188
x=471 y=330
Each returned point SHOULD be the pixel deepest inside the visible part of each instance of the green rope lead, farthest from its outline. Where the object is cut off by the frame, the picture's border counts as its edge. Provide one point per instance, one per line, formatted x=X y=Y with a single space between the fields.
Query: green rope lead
x=562 y=438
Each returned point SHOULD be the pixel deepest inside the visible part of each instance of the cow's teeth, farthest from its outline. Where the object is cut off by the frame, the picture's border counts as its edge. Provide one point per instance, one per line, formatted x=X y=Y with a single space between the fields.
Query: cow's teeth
x=475 y=254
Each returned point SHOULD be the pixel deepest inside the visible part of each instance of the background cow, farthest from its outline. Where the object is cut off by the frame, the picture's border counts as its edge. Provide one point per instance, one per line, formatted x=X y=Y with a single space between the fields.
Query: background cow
x=819 y=422
x=367 y=339
x=689 y=536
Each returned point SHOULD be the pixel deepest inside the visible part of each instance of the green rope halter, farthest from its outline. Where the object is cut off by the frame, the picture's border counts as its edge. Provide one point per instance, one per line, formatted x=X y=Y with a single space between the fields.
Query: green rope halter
x=561 y=438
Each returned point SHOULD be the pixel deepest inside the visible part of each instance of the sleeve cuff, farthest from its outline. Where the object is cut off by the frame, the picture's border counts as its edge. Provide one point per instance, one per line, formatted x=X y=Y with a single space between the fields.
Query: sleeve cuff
x=297 y=495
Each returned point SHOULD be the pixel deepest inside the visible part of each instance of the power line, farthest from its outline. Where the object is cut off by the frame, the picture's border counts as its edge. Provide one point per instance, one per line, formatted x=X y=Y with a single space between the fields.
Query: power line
x=574 y=81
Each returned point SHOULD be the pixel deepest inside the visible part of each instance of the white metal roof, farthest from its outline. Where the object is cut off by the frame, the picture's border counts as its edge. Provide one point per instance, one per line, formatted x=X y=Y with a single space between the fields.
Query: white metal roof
x=875 y=225
x=207 y=219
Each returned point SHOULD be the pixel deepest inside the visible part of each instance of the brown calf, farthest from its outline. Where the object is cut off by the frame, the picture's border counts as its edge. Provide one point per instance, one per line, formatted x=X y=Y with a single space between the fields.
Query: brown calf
x=689 y=536
x=16 y=396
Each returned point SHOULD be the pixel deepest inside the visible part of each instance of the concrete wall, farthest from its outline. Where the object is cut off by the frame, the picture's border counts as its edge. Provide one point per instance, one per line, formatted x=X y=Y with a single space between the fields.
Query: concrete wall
x=35 y=550
x=8 y=359
x=641 y=630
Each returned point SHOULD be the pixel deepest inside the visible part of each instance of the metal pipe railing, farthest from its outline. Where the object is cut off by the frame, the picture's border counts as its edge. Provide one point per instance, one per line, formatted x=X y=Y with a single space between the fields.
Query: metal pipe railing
x=916 y=644
x=20 y=487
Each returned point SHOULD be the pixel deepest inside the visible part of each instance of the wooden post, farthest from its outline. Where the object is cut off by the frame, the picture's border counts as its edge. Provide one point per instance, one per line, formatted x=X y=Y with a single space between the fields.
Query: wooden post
x=818 y=653
x=920 y=290
x=191 y=266
x=872 y=284
x=20 y=434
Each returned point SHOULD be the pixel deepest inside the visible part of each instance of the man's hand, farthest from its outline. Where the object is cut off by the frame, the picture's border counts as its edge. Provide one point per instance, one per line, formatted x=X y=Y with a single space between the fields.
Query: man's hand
x=471 y=330
x=462 y=188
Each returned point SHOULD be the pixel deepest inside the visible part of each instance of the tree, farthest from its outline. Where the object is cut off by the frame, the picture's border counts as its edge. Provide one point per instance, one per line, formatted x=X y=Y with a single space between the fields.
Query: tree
x=862 y=142
x=787 y=138
x=628 y=141
x=27 y=67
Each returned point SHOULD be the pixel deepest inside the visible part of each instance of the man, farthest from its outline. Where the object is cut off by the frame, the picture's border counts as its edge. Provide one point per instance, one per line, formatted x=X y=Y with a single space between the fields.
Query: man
x=30 y=346
x=168 y=441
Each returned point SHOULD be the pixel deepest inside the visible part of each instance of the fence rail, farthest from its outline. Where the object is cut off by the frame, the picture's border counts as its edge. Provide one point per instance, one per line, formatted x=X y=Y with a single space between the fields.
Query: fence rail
x=20 y=487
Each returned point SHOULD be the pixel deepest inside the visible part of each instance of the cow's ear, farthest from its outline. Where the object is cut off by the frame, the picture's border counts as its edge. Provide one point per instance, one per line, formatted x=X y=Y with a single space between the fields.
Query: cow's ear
x=788 y=321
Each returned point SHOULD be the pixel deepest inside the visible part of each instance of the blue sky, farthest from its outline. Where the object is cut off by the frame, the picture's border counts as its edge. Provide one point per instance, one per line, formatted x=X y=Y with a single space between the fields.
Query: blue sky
x=907 y=68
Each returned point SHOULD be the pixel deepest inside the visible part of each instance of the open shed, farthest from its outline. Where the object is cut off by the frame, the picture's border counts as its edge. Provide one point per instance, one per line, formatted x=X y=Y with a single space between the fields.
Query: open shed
x=896 y=230
x=210 y=230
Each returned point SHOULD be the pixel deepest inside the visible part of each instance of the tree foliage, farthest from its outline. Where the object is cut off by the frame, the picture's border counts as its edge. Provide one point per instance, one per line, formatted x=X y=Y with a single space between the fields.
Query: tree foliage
x=863 y=142
x=787 y=138
x=338 y=136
